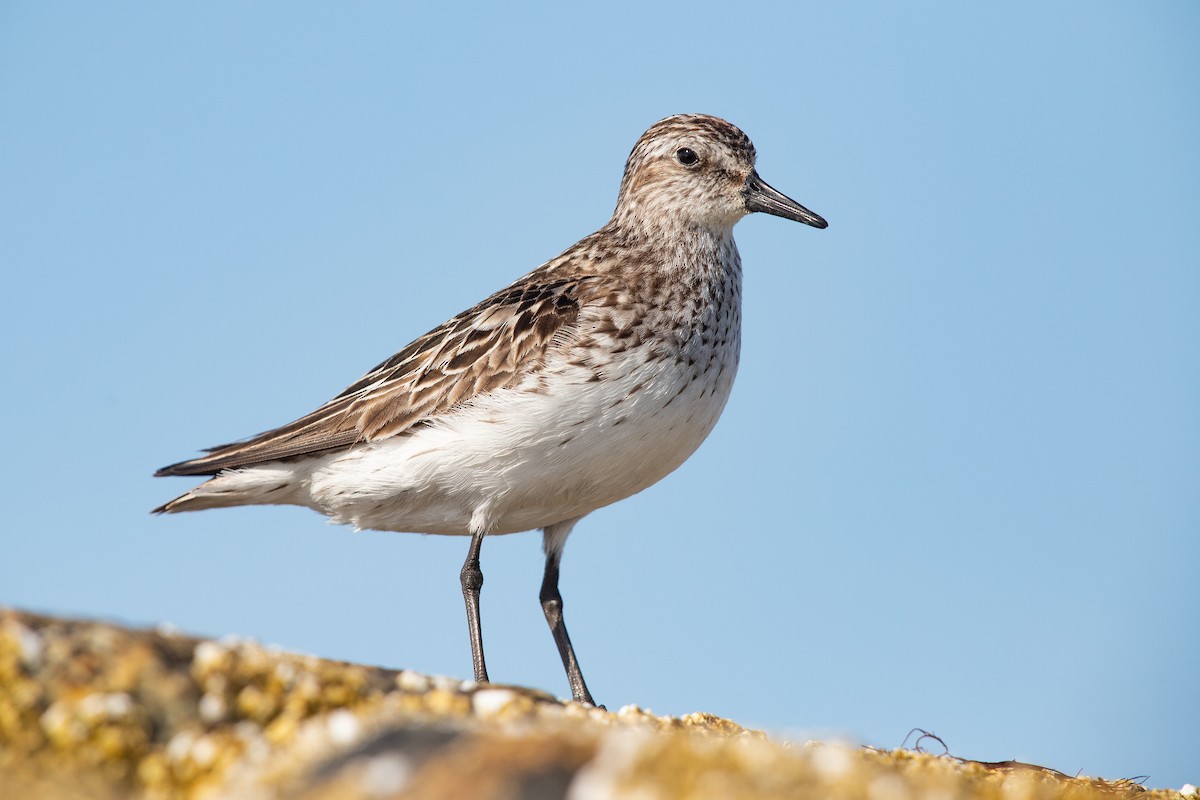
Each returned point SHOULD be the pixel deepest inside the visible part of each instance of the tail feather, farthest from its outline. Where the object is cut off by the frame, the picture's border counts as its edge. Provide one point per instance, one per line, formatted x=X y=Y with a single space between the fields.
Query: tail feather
x=257 y=486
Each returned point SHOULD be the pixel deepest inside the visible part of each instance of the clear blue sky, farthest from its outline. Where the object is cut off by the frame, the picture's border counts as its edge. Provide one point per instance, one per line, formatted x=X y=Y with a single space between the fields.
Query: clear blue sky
x=957 y=485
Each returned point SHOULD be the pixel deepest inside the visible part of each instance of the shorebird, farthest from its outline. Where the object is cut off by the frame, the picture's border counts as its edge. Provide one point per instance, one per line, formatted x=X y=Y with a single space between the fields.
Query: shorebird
x=581 y=383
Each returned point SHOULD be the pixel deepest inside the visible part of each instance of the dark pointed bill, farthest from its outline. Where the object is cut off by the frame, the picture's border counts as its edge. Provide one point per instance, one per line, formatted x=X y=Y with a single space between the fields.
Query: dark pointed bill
x=761 y=196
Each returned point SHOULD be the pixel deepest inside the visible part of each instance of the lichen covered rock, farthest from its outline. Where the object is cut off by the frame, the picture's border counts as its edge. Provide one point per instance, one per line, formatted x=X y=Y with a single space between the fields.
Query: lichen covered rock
x=95 y=710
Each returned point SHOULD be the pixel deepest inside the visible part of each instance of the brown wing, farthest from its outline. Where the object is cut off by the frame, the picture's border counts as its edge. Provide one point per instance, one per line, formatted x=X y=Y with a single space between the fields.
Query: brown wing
x=488 y=347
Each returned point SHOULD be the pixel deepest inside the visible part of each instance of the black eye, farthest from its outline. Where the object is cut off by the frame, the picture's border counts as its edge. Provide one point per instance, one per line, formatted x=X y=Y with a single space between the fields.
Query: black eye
x=686 y=156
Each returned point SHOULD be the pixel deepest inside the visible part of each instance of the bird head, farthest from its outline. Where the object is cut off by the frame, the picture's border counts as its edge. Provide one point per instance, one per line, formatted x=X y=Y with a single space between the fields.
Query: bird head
x=695 y=170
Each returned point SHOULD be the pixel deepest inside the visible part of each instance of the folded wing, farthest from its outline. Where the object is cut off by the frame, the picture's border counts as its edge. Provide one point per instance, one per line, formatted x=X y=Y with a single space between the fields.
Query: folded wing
x=491 y=346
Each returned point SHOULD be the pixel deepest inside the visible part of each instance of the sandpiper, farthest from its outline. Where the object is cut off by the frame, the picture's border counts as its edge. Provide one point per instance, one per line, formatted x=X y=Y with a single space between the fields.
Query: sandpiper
x=578 y=385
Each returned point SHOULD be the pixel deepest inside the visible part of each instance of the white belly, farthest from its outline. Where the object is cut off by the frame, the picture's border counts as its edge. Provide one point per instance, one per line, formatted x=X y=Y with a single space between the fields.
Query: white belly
x=532 y=456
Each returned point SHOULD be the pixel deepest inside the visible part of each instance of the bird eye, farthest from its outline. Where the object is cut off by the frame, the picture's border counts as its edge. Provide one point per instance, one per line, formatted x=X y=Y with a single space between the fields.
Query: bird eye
x=687 y=157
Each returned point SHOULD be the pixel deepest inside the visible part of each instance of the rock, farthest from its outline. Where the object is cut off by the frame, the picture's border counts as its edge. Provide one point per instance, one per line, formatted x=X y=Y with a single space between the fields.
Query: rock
x=90 y=709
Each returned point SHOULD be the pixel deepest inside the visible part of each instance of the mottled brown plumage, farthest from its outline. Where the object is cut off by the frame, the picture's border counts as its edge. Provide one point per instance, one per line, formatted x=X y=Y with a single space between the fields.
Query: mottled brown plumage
x=482 y=349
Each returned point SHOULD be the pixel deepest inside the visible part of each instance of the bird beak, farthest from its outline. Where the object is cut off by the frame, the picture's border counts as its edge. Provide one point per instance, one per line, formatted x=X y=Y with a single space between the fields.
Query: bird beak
x=761 y=196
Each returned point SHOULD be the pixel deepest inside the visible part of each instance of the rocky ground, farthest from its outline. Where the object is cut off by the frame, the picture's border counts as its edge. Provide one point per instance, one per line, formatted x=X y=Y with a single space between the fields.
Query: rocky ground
x=95 y=710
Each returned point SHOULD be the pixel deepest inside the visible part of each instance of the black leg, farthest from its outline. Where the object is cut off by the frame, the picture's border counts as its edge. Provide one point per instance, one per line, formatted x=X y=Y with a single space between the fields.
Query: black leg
x=472 y=581
x=552 y=605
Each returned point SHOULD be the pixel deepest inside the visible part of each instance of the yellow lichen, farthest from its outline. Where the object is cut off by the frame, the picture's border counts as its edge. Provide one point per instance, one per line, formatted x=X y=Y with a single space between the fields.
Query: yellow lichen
x=95 y=710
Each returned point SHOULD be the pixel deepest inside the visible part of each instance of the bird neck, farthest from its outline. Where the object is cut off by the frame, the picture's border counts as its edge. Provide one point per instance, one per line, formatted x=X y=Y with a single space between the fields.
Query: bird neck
x=697 y=263
x=682 y=241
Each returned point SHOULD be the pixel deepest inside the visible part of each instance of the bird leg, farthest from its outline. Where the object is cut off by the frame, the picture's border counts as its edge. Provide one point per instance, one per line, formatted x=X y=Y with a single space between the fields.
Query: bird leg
x=552 y=605
x=471 y=578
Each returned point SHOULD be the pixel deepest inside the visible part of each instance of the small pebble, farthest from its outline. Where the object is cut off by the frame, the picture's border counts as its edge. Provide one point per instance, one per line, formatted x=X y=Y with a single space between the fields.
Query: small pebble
x=30 y=644
x=180 y=746
x=409 y=681
x=445 y=683
x=212 y=708
x=387 y=775
x=169 y=629
x=831 y=761
x=343 y=727
x=490 y=702
x=203 y=752
x=207 y=655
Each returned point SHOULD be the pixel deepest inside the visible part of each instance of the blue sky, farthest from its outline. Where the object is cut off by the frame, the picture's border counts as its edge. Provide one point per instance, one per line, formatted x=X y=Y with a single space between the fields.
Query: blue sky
x=956 y=485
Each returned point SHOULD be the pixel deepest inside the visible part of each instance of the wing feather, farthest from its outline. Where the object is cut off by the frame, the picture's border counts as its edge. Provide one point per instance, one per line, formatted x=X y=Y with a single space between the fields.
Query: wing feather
x=493 y=345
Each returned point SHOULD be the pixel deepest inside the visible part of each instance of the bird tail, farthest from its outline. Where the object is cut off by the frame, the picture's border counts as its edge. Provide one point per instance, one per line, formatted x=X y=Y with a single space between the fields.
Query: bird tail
x=239 y=487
